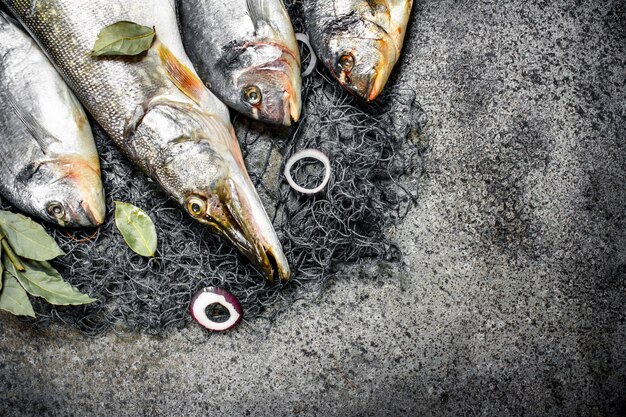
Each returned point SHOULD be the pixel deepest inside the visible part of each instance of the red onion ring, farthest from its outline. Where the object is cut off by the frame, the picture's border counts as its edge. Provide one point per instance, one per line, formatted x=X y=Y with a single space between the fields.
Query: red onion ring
x=212 y=295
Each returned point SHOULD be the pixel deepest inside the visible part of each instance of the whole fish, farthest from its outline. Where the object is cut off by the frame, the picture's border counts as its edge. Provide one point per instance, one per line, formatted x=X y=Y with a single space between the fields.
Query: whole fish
x=359 y=41
x=49 y=165
x=158 y=112
x=247 y=54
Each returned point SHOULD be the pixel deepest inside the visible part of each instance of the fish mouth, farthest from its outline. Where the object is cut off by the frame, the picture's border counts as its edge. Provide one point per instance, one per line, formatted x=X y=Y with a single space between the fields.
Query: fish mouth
x=291 y=109
x=94 y=212
x=84 y=177
x=367 y=87
x=85 y=215
x=375 y=86
x=243 y=221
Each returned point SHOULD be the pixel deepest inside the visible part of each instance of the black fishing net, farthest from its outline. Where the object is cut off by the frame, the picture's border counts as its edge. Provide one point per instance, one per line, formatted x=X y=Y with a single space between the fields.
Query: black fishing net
x=375 y=151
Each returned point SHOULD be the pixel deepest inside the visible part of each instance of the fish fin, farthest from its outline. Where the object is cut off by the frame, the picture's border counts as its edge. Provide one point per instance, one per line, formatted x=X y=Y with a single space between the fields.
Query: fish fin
x=183 y=77
x=39 y=133
x=259 y=11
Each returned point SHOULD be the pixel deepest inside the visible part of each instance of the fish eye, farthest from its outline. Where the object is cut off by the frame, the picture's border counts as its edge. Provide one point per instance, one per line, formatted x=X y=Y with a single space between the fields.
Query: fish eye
x=252 y=95
x=196 y=206
x=56 y=210
x=346 y=61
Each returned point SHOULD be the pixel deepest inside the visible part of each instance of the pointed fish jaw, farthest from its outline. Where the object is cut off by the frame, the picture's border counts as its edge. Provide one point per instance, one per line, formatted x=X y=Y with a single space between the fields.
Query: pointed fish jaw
x=267 y=253
x=264 y=249
x=237 y=214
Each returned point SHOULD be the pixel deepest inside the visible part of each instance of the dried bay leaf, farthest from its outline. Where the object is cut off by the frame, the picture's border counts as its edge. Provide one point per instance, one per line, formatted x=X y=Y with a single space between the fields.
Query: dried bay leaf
x=27 y=238
x=123 y=39
x=42 y=280
x=1 y=269
x=137 y=229
x=14 y=299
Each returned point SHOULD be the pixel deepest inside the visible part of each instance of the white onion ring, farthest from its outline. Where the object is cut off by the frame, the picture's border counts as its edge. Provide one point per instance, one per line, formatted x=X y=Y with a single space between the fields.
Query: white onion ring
x=313 y=154
x=304 y=38
x=212 y=295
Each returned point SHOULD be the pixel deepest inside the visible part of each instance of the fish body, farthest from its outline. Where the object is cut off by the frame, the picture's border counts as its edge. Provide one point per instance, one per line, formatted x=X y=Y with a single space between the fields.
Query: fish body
x=158 y=112
x=49 y=165
x=247 y=54
x=359 y=41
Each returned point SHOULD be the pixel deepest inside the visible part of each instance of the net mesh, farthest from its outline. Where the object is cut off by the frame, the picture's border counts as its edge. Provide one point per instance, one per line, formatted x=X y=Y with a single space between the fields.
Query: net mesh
x=376 y=157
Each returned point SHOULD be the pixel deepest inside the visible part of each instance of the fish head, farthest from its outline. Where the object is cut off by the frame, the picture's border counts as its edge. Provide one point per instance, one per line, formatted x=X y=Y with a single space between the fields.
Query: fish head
x=66 y=191
x=267 y=83
x=199 y=162
x=360 y=55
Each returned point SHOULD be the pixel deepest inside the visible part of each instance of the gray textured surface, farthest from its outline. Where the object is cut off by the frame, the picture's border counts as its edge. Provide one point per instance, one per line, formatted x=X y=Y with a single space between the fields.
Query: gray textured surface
x=513 y=301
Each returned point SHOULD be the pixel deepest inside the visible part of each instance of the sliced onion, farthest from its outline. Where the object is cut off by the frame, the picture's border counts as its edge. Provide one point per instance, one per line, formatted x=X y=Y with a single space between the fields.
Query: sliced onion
x=304 y=38
x=212 y=295
x=312 y=154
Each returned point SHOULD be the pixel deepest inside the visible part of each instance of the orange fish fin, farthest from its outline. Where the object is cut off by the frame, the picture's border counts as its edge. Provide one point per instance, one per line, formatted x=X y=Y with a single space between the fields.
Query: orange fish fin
x=183 y=77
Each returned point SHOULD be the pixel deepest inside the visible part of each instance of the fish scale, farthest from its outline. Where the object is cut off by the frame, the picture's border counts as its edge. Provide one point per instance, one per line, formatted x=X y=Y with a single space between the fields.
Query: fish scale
x=158 y=112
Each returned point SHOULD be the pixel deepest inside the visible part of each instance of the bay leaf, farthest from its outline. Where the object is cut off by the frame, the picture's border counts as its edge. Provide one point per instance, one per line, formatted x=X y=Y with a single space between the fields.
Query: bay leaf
x=137 y=228
x=28 y=238
x=123 y=39
x=42 y=280
x=1 y=269
x=14 y=299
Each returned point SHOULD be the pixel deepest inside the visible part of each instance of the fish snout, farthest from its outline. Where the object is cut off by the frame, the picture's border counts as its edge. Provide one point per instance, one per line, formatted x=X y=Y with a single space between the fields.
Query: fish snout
x=375 y=85
x=292 y=108
x=94 y=210
x=235 y=211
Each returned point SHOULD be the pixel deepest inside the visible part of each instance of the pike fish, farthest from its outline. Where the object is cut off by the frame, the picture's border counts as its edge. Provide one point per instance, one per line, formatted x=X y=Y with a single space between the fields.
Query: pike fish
x=359 y=41
x=158 y=112
x=49 y=166
x=247 y=54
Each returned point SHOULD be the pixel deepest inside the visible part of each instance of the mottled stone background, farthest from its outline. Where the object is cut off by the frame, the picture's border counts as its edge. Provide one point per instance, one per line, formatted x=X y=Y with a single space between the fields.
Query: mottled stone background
x=513 y=297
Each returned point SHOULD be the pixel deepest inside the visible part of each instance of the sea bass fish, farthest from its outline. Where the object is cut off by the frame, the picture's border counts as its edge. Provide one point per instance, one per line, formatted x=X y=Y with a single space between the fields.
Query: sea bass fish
x=359 y=41
x=158 y=112
x=49 y=166
x=247 y=54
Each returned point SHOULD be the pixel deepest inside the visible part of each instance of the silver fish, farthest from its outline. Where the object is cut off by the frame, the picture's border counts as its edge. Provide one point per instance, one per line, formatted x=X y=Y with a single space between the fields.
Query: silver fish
x=49 y=165
x=158 y=112
x=247 y=54
x=359 y=41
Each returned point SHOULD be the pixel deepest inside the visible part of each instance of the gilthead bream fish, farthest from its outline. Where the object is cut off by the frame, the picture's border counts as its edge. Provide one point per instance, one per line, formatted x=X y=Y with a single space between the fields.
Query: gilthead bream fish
x=247 y=54
x=158 y=112
x=359 y=41
x=49 y=166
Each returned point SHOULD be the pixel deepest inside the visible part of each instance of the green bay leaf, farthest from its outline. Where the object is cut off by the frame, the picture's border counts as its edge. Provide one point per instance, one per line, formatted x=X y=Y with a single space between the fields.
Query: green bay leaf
x=42 y=280
x=1 y=269
x=27 y=238
x=137 y=228
x=123 y=39
x=14 y=299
